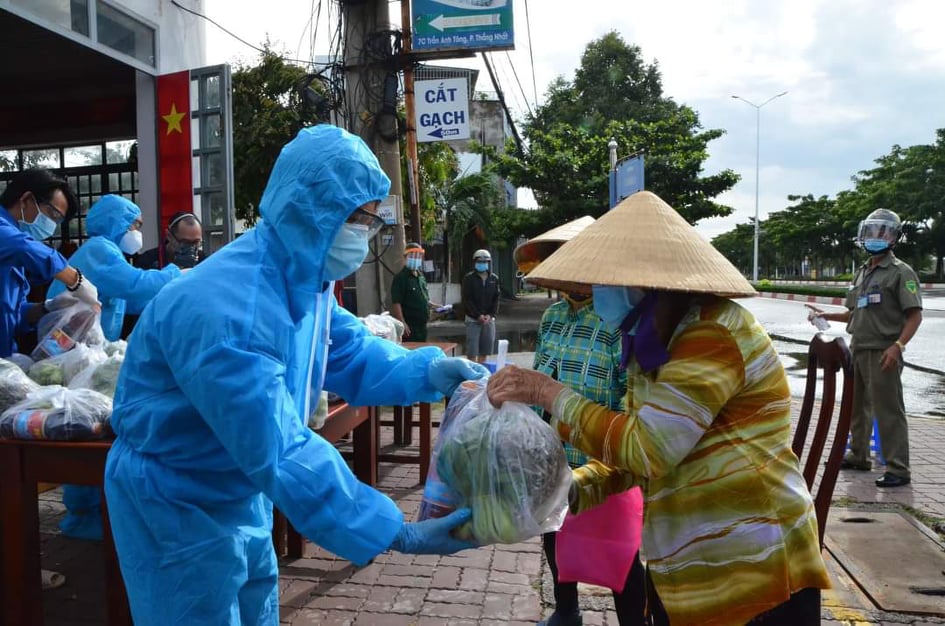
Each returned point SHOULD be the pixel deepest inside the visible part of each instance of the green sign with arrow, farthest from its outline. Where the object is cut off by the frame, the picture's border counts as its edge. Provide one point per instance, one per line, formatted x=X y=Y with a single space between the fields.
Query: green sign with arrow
x=462 y=25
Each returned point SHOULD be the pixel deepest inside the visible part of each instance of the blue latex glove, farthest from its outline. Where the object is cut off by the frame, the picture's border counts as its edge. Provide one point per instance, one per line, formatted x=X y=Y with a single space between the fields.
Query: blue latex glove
x=433 y=536
x=446 y=374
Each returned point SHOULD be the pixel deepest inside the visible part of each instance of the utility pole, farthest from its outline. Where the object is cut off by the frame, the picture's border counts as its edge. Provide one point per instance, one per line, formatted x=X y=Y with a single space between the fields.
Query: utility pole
x=413 y=161
x=367 y=80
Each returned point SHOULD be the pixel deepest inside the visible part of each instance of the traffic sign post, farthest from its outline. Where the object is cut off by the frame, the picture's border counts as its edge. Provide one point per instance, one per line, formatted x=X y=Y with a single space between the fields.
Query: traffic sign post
x=462 y=25
x=442 y=108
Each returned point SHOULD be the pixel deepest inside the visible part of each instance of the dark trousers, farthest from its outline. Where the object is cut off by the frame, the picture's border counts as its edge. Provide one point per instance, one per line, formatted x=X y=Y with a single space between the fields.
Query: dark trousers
x=801 y=609
x=629 y=603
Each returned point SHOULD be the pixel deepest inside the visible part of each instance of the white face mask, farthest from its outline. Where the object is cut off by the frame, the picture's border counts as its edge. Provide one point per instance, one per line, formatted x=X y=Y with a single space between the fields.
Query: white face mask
x=131 y=242
x=347 y=251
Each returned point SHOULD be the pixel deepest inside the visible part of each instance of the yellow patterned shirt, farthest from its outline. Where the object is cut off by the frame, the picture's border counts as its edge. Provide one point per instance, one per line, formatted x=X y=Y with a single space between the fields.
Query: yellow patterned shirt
x=729 y=526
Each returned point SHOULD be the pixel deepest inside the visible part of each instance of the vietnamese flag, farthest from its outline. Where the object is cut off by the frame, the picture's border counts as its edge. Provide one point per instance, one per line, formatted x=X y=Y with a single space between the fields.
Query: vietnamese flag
x=174 y=150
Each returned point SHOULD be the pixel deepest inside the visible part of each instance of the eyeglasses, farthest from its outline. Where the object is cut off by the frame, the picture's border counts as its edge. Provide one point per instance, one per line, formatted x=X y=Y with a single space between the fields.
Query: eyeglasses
x=373 y=221
x=50 y=211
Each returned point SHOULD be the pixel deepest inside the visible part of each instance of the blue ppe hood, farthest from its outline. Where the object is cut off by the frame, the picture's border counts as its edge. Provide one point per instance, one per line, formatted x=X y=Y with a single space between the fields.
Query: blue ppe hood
x=111 y=217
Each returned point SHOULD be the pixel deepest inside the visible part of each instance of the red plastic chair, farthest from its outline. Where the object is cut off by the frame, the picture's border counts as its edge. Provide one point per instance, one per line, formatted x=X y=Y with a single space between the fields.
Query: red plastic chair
x=832 y=357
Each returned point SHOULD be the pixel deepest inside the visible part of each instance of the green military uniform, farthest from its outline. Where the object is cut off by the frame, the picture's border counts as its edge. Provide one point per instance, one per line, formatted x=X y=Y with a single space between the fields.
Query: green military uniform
x=877 y=301
x=409 y=290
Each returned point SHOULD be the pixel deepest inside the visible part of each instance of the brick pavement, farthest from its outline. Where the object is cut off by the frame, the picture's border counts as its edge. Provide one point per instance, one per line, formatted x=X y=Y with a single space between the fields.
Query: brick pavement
x=490 y=585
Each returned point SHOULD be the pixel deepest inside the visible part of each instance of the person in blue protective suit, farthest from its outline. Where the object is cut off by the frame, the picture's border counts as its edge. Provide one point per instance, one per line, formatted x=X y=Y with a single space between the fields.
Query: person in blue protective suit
x=113 y=224
x=114 y=227
x=212 y=401
x=33 y=204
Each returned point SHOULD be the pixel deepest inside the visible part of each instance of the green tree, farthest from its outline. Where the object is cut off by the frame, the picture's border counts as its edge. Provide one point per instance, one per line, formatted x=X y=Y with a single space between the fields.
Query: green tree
x=267 y=113
x=469 y=205
x=911 y=182
x=614 y=95
x=439 y=167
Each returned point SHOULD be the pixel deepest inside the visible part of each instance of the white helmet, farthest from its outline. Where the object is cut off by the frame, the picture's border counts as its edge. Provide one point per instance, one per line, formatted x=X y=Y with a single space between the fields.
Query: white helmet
x=482 y=254
x=879 y=231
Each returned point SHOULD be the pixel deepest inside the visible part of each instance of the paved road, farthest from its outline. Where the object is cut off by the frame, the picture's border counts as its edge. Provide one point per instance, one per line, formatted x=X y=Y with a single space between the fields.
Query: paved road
x=924 y=391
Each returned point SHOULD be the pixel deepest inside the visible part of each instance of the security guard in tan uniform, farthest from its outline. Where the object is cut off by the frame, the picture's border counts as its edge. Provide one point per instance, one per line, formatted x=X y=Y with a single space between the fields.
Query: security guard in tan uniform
x=884 y=310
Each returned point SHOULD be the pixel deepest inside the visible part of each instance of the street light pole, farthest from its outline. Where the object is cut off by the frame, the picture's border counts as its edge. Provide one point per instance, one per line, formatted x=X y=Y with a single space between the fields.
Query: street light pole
x=754 y=271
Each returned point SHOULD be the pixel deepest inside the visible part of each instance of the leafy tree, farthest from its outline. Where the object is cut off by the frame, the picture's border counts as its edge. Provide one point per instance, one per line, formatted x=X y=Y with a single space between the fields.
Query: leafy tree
x=911 y=182
x=439 y=167
x=614 y=94
x=267 y=113
x=469 y=204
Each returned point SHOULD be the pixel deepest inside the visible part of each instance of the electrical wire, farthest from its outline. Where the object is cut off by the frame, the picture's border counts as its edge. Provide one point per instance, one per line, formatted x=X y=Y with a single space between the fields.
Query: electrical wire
x=237 y=37
x=515 y=74
x=531 y=54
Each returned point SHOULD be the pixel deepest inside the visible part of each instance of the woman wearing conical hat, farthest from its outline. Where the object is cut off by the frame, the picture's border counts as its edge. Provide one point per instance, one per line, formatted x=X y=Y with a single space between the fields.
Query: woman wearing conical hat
x=730 y=534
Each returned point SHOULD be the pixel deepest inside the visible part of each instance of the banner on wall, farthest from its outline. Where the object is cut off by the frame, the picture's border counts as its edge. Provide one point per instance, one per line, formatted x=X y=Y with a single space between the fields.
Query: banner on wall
x=174 y=147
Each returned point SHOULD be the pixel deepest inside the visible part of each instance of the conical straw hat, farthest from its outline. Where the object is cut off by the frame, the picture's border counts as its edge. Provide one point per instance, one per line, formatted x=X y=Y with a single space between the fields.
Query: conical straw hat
x=642 y=242
x=537 y=249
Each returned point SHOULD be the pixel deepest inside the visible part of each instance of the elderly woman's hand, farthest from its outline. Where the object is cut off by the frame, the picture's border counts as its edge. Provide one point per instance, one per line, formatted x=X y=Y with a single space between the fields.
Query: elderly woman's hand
x=514 y=384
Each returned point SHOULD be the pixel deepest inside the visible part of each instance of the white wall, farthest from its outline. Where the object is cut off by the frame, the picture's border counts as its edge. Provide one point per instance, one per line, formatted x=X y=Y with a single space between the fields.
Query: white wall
x=182 y=36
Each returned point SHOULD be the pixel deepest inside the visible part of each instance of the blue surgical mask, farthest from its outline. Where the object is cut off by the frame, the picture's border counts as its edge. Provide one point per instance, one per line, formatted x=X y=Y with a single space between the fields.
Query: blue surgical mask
x=39 y=229
x=614 y=304
x=414 y=263
x=347 y=251
x=876 y=246
x=482 y=267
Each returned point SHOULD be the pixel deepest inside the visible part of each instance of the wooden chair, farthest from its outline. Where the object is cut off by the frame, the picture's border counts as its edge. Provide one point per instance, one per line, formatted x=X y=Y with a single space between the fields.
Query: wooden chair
x=832 y=357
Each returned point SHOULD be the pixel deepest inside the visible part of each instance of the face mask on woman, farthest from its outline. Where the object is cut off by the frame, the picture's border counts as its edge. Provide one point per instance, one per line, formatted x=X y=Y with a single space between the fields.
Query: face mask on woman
x=614 y=304
x=414 y=263
x=131 y=242
x=482 y=267
x=347 y=251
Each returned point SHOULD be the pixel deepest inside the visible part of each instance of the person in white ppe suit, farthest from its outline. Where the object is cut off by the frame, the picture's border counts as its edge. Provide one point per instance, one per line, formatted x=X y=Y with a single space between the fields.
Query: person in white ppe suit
x=212 y=400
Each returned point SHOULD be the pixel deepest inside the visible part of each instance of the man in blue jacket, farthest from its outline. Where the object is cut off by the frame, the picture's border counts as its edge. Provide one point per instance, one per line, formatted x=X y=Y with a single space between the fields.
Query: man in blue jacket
x=212 y=401
x=31 y=207
x=113 y=225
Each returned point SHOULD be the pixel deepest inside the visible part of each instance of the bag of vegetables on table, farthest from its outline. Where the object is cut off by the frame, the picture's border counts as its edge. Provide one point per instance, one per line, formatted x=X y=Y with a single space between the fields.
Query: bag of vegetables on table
x=101 y=376
x=15 y=385
x=59 y=414
x=506 y=464
x=61 y=369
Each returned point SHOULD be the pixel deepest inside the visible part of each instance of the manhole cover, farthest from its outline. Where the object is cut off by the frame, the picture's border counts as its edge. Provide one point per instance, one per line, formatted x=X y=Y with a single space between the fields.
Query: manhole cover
x=898 y=566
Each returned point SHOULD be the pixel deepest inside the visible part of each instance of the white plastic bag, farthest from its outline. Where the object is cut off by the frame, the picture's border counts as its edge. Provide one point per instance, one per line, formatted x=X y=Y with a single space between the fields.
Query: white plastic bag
x=506 y=464
x=60 y=370
x=15 y=385
x=60 y=330
x=22 y=360
x=385 y=325
x=101 y=376
x=59 y=414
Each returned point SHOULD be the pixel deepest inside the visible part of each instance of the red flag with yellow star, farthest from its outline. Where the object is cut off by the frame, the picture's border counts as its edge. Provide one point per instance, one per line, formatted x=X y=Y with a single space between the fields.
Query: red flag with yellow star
x=174 y=149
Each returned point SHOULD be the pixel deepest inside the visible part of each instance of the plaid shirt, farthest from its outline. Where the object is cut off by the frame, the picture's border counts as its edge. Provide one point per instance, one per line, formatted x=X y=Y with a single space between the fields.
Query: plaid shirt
x=578 y=350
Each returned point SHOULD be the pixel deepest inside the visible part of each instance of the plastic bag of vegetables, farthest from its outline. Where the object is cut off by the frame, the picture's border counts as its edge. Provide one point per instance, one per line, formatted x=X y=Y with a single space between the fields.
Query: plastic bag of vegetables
x=101 y=376
x=506 y=464
x=60 y=414
x=60 y=370
x=15 y=385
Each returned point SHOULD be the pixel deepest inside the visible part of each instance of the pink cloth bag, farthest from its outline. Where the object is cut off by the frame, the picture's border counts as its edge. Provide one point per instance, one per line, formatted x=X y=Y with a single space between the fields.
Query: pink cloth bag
x=598 y=546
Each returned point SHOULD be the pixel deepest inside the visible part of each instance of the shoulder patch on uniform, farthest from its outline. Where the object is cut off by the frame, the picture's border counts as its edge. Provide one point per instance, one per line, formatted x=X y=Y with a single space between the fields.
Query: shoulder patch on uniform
x=912 y=286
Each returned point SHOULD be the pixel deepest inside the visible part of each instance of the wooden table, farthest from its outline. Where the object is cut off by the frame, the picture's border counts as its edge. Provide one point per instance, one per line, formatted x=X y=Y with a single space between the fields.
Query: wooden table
x=403 y=420
x=24 y=464
x=342 y=419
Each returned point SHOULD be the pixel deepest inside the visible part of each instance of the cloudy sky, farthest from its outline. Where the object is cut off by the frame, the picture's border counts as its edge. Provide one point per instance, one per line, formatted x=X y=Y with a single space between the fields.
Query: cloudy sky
x=861 y=75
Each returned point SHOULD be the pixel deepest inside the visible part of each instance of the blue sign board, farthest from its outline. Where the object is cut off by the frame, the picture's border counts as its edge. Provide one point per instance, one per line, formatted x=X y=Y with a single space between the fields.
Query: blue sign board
x=626 y=179
x=462 y=25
